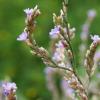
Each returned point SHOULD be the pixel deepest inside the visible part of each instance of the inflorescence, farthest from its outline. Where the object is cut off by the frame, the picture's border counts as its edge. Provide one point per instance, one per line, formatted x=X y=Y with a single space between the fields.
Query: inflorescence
x=62 y=58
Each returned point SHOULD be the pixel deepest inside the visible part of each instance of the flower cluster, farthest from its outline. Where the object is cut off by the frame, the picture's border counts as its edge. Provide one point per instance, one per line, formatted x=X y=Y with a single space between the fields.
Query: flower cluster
x=54 y=32
x=66 y=90
x=89 y=61
x=9 y=90
x=95 y=38
x=30 y=23
x=58 y=55
x=62 y=54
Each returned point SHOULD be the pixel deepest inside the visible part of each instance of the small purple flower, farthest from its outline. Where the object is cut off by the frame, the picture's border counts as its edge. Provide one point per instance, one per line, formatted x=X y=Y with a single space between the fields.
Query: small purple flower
x=97 y=56
x=8 y=87
x=54 y=32
x=85 y=28
x=58 y=55
x=85 y=32
x=91 y=13
x=22 y=37
x=60 y=44
x=95 y=38
x=66 y=89
x=28 y=11
x=48 y=70
x=59 y=52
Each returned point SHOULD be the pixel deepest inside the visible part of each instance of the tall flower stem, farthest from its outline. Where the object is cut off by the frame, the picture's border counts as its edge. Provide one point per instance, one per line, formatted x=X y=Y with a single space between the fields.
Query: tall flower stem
x=65 y=8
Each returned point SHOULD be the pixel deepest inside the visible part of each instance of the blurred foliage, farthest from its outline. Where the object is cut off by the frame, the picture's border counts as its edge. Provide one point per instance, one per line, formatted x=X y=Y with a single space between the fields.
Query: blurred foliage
x=15 y=59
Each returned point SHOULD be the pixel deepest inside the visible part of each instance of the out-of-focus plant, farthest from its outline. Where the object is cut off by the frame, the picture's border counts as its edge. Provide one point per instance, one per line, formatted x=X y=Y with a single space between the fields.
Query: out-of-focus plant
x=9 y=90
x=62 y=56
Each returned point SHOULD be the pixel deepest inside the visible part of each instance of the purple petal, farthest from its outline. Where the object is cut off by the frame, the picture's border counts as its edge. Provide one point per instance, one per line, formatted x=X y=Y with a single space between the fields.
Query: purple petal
x=54 y=32
x=22 y=37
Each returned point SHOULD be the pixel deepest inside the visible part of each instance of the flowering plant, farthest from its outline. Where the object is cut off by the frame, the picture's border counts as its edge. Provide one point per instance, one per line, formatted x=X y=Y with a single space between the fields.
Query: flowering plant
x=9 y=90
x=62 y=56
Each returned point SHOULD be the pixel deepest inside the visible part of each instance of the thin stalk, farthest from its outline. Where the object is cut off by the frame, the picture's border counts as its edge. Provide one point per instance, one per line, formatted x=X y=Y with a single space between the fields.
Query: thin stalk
x=68 y=40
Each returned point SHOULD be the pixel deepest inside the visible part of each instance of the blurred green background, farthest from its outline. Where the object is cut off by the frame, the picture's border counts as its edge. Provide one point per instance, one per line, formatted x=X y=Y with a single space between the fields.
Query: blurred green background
x=15 y=58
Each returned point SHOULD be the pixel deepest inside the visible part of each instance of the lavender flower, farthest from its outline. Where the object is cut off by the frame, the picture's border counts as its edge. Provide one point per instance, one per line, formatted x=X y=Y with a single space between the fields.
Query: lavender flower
x=85 y=31
x=60 y=44
x=91 y=13
x=68 y=92
x=95 y=38
x=49 y=78
x=54 y=32
x=59 y=52
x=48 y=70
x=97 y=57
x=23 y=36
x=58 y=55
x=28 y=11
x=32 y=13
x=8 y=88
